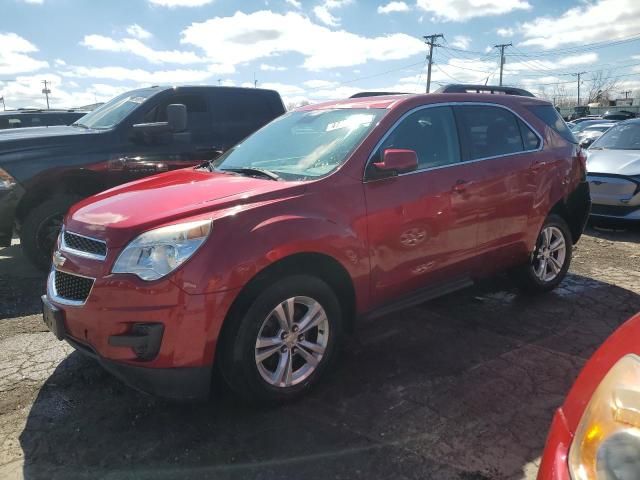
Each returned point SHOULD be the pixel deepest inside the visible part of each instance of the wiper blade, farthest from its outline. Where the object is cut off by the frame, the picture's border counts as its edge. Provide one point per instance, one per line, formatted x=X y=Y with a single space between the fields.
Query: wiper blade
x=254 y=171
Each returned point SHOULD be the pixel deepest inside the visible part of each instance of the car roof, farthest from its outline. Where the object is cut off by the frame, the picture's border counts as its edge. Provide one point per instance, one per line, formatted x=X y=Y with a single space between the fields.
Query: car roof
x=392 y=101
x=602 y=124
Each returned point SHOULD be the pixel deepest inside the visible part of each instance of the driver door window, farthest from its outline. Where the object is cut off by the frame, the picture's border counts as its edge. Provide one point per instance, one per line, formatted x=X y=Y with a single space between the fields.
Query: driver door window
x=431 y=133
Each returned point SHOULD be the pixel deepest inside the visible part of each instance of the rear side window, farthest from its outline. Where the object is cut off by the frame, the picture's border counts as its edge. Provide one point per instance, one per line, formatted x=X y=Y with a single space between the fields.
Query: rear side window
x=551 y=117
x=529 y=138
x=242 y=107
x=488 y=131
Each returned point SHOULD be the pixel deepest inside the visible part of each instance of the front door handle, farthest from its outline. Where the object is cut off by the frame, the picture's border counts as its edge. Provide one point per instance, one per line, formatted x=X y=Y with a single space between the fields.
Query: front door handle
x=460 y=186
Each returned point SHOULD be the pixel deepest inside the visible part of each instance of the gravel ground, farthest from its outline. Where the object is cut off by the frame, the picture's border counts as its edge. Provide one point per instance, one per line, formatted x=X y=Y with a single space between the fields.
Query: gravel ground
x=463 y=387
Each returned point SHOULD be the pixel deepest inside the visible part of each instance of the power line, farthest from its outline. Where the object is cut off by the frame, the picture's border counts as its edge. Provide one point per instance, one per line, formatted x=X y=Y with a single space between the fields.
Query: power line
x=431 y=41
x=502 y=46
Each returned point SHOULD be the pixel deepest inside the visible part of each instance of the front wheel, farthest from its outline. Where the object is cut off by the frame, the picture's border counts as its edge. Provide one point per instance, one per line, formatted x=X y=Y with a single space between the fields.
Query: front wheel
x=283 y=343
x=549 y=262
x=41 y=227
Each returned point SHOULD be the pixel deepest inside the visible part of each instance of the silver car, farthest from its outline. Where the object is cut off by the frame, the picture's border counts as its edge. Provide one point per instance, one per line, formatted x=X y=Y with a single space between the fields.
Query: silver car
x=613 y=166
x=591 y=133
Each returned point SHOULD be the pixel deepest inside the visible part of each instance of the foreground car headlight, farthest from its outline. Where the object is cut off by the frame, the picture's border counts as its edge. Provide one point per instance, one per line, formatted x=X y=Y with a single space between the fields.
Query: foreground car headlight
x=158 y=252
x=607 y=442
x=6 y=180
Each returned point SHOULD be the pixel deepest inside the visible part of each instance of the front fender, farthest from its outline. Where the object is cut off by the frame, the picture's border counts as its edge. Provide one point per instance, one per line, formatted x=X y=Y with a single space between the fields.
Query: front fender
x=236 y=252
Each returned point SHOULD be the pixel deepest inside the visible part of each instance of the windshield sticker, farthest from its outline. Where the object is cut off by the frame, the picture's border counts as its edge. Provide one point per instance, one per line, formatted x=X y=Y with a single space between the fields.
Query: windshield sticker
x=352 y=122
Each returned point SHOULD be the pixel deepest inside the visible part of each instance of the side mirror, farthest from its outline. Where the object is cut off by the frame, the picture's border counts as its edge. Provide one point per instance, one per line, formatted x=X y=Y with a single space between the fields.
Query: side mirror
x=396 y=161
x=177 y=117
x=586 y=143
x=176 y=122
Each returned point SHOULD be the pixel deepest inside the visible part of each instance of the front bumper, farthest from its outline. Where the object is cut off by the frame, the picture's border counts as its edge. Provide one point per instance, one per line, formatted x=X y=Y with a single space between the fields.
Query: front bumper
x=615 y=196
x=554 y=464
x=186 y=383
x=153 y=335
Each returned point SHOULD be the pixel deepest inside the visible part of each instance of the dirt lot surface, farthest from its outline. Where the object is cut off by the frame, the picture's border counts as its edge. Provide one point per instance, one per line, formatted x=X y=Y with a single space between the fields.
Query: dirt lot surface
x=463 y=387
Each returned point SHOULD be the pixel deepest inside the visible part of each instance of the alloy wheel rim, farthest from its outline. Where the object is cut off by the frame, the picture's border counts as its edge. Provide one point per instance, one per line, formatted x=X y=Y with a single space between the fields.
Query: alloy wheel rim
x=550 y=254
x=291 y=341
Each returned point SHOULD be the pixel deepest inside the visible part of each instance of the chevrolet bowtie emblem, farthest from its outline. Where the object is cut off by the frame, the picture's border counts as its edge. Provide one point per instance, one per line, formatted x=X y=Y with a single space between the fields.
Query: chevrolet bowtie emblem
x=58 y=259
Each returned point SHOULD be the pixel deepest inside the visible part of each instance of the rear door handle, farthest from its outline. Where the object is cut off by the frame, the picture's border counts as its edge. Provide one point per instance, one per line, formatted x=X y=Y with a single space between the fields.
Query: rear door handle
x=460 y=186
x=538 y=166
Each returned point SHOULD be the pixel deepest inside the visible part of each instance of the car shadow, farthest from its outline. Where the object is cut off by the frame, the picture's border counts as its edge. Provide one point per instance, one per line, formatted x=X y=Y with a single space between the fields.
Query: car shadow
x=614 y=231
x=463 y=387
x=21 y=284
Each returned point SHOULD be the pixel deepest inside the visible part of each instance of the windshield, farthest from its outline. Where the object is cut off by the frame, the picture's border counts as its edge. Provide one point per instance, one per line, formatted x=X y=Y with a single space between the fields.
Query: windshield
x=115 y=110
x=303 y=145
x=625 y=136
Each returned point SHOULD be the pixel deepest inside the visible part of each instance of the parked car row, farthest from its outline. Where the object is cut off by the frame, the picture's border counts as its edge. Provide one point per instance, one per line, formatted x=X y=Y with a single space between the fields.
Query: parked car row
x=34 y=117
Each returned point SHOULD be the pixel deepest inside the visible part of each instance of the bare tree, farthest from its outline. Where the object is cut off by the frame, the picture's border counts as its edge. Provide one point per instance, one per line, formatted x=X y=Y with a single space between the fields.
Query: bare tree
x=601 y=87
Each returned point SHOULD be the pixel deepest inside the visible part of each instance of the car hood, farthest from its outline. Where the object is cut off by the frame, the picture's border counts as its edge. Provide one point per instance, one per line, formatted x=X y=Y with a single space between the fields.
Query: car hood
x=120 y=214
x=618 y=162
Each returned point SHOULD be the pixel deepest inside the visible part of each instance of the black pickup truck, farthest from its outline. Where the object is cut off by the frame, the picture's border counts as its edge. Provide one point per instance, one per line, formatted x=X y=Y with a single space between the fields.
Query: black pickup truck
x=43 y=171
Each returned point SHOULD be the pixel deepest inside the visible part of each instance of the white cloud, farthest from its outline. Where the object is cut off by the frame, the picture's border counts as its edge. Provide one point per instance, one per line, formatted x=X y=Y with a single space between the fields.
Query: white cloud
x=319 y=84
x=246 y=37
x=505 y=32
x=14 y=56
x=136 y=31
x=283 y=88
x=463 y=10
x=271 y=68
x=294 y=3
x=136 y=47
x=34 y=2
x=122 y=74
x=323 y=12
x=589 y=22
x=180 y=3
x=461 y=41
x=58 y=62
x=393 y=7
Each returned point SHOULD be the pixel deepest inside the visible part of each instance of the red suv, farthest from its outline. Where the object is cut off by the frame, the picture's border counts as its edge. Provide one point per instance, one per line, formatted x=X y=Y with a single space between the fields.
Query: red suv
x=259 y=261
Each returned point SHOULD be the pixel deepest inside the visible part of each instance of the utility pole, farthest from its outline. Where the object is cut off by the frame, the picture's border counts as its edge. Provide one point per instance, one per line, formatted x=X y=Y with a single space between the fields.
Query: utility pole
x=4 y=106
x=502 y=46
x=579 y=74
x=431 y=41
x=46 y=92
x=626 y=94
x=255 y=80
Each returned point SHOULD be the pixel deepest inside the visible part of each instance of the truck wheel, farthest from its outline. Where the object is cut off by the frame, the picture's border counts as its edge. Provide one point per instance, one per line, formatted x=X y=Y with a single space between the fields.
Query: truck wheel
x=549 y=262
x=41 y=227
x=284 y=341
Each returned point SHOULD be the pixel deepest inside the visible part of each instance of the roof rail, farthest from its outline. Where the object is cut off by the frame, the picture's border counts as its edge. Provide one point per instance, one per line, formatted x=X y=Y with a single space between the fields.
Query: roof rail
x=463 y=88
x=375 y=94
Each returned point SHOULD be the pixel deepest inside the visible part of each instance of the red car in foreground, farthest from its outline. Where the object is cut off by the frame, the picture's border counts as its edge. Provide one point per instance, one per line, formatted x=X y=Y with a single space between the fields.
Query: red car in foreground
x=595 y=435
x=259 y=261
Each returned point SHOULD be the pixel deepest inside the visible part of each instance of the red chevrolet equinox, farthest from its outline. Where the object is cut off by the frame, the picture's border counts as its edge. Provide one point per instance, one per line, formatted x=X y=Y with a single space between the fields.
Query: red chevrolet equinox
x=258 y=262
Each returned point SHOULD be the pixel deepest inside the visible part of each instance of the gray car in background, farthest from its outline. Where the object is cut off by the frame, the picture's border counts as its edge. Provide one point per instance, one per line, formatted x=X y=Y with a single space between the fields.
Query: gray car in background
x=613 y=166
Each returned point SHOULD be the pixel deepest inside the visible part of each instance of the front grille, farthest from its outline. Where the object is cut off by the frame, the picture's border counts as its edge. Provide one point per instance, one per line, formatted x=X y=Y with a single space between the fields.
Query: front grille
x=84 y=244
x=72 y=287
x=613 y=210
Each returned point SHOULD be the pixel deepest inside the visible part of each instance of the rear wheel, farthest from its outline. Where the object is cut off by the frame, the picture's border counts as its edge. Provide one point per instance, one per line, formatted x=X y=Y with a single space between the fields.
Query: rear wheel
x=41 y=227
x=283 y=343
x=549 y=262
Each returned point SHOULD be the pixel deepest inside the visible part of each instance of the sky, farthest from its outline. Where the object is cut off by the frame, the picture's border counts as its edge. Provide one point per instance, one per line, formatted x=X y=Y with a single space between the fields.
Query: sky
x=310 y=51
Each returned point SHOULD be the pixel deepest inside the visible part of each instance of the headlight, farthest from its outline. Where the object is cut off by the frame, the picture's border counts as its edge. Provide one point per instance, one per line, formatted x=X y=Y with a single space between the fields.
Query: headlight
x=607 y=443
x=6 y=180
x=158 y=252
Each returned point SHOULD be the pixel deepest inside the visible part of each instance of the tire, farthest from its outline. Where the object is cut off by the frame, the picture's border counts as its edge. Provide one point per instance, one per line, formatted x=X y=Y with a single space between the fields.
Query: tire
x=536 y=277
x=40 y=229
x=259 y=382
